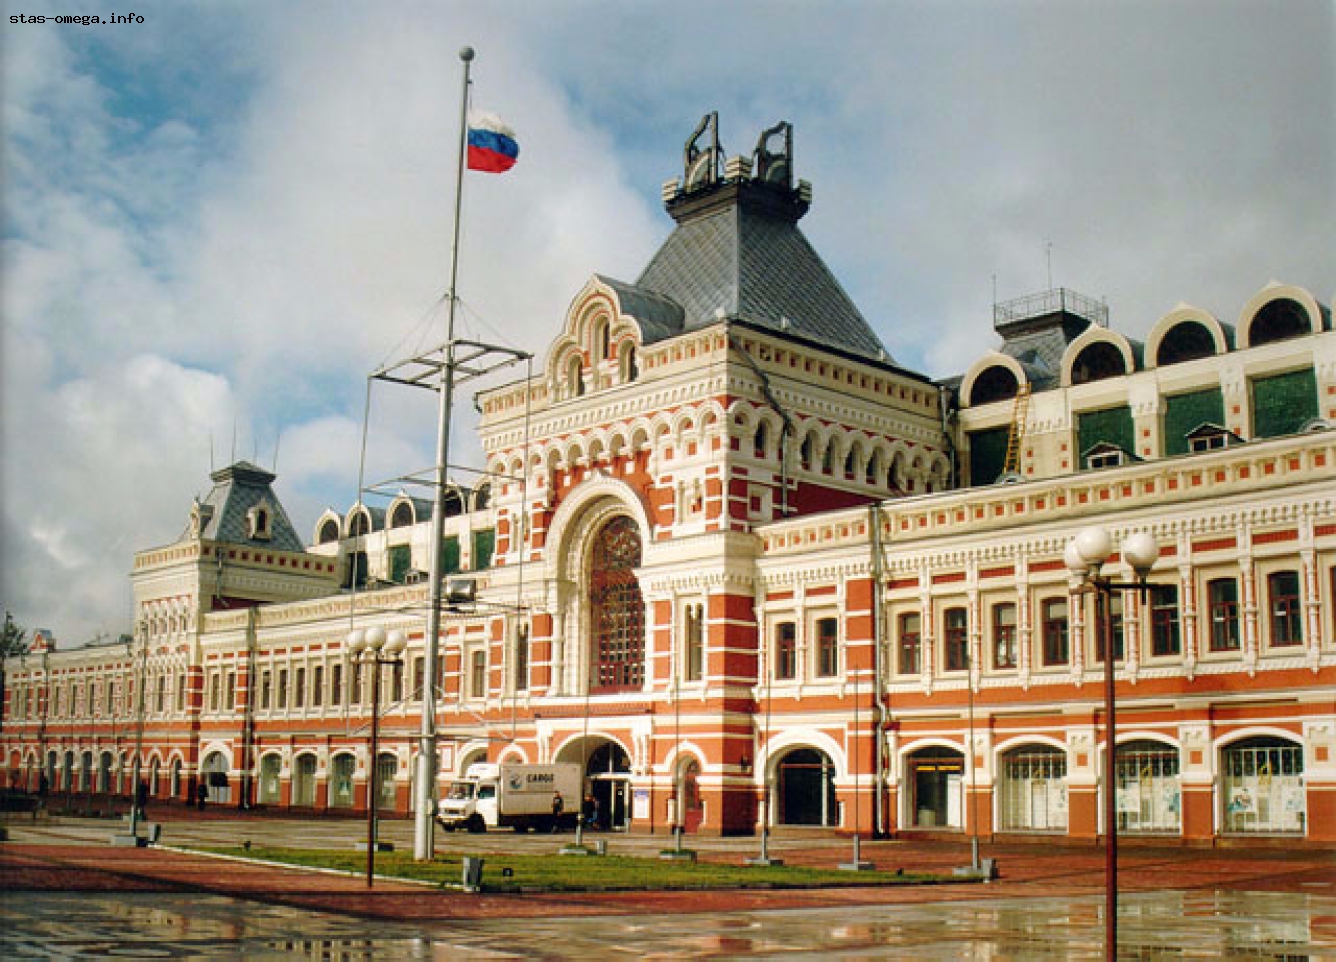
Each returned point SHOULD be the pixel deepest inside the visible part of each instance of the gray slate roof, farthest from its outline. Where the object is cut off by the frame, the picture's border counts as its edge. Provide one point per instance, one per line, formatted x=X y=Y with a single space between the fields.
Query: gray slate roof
x=236 y=489
x=740 y=254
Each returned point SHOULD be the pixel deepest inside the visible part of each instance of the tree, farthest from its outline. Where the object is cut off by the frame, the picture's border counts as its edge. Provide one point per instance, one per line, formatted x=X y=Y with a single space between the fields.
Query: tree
x=13 y=643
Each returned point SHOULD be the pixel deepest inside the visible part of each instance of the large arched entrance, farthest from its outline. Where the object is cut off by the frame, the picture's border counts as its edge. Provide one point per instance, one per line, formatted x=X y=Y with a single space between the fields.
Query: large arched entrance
x=214 y=774
x=616 y=609
x=805 y=780
x=607 y=778
x=936 y=788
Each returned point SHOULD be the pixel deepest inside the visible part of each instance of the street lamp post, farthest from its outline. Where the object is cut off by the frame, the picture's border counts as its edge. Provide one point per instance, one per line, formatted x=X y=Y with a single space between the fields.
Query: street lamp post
x=1085 y=556
x=366 y=646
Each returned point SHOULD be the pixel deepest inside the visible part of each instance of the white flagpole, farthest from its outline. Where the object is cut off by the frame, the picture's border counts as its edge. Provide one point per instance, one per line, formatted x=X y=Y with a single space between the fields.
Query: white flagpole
x=423 y=842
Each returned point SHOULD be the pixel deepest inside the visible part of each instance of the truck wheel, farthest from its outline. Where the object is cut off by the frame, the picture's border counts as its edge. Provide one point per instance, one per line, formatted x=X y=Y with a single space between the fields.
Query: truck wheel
x=521 y=828
x=476 y=825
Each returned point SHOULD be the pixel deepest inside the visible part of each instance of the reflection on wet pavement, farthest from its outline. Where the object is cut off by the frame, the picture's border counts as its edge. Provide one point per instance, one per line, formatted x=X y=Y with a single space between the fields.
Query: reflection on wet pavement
x=55 y=925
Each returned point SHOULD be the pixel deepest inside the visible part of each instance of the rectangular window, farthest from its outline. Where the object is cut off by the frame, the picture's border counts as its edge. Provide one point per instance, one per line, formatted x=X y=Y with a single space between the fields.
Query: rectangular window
x=484 y=545
x=1054 y=632
x=1115 y=625
x=827 y=647
x=318 y=686
x=356 y=694
x=161 y=696
x=213 y=692
x=1222 y=599
x=1184 y=413
x=694 y=666
x=299 y=688
x=1282 y=403
x=1109 y=426
x=988 y=455
x=397 y=681
x=266 y=689
x=1004 y=636
x=230 y=694
x=956 y=638
x=786 y=651
x=522 y=658
x=1286 y=612
x=1165 y=639
x=478 y=673
x=419 y=676
x=400 y=560
x=909 y=627
x=450 y=555
x=181 y=692
x=282 y=689
x=336 y=685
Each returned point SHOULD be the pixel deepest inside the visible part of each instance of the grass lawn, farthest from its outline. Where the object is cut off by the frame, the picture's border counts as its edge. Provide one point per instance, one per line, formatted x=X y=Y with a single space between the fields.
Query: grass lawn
x=565 y=873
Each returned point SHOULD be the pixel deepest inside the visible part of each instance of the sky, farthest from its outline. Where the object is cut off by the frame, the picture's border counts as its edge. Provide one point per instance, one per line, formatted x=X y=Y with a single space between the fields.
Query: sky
x=218 y=220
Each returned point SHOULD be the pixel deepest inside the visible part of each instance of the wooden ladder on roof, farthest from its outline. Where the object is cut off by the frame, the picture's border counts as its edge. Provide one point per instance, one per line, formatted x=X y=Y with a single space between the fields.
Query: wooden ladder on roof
x=1016 y=436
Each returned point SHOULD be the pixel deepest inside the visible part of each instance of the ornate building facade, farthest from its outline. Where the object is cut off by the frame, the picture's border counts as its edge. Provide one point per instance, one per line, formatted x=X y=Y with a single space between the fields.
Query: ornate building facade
x=747 y=570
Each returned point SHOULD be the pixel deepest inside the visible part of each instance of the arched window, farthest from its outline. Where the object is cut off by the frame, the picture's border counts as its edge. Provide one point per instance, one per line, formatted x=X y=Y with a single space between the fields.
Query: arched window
x=602 y=343
x=482 y=497
x=453 y=503
x=761 y=441
x=1277 y=321
x=630 y=365
x=360 y=525
x=402 y=516
x=1185 y=342
x=616 y=609
x=574 y=377
x=1098 y=361
x=996 y=383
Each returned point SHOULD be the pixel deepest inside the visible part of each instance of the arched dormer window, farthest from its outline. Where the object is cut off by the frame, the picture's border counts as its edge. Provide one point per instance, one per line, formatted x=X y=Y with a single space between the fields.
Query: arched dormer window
x=258 y=521
x=574 y=377
x=630 y=363
x=1279 y=320
x=997 y=383
x=360 y=524
x=1096 y=362
x=453 y=503
x=1187 y=341
x=482 y=497
x=402 y=516
x=329 y=531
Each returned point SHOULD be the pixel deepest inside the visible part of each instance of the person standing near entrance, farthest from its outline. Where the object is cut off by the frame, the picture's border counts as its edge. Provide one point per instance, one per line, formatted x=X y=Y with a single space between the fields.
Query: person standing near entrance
x=141 y=798
x=201 y=794
x=558 y=806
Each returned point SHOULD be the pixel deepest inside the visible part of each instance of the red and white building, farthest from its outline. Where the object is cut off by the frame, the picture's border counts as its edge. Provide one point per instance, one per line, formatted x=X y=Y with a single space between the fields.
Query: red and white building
x=746 y=569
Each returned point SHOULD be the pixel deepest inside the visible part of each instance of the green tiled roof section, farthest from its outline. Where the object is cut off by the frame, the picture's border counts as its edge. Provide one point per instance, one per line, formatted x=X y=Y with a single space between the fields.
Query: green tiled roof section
x=1112 y=425
x=1186 y=412
x=1283 y=402
x=988 y=455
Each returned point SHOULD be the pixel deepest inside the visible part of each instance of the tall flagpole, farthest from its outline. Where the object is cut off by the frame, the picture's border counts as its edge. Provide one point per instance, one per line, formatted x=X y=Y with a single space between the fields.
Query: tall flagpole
x=423 y=842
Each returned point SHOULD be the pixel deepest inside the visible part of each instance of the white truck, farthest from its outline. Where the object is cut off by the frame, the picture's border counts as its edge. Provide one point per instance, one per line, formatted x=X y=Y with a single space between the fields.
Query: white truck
x=511 y=795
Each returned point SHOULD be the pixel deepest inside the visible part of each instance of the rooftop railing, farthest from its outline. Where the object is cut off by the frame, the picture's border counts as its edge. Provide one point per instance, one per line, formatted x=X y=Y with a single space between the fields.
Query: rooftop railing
x=1057 y=301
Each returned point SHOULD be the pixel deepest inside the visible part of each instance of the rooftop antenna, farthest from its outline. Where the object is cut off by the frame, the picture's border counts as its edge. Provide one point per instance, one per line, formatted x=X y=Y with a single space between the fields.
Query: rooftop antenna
x=277 y=438
x=1048 y=253
x=211 y=467
x=234 y=441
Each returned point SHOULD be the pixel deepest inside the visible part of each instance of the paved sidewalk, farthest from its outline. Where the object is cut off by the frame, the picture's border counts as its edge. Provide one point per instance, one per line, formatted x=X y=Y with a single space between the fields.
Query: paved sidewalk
x=65 y=892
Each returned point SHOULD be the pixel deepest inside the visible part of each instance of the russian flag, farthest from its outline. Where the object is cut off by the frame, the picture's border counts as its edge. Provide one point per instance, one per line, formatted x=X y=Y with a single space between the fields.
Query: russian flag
x=492 y=145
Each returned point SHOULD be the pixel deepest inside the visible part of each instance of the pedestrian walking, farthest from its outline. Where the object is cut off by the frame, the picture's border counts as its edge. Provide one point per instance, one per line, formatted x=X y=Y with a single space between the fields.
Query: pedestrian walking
x=201 y=794
x=558 y=806
x=141 y=798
